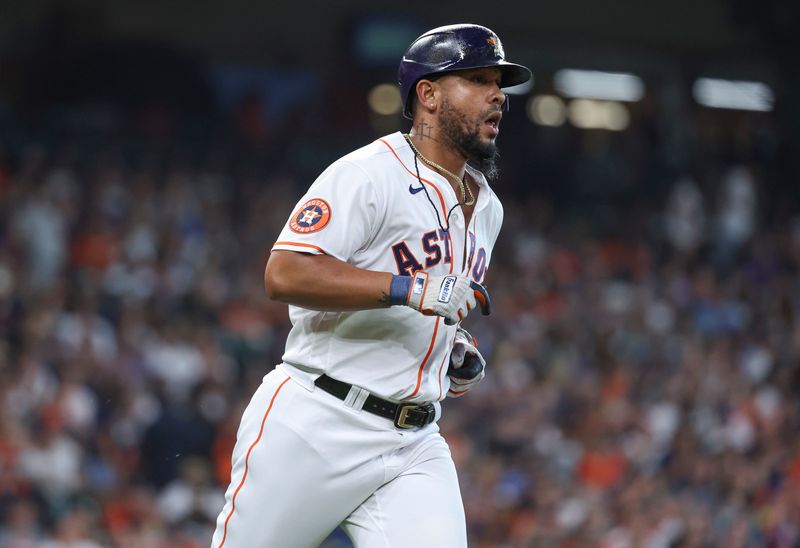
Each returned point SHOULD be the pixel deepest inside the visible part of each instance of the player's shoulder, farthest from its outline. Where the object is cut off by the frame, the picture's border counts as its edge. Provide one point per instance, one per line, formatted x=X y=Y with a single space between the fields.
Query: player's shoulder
x=373 y=165
x=369 y=167
x=373 y=157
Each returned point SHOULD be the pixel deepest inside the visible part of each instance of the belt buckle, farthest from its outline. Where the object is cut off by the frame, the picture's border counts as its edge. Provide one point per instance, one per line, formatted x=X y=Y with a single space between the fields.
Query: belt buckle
x=401 y=415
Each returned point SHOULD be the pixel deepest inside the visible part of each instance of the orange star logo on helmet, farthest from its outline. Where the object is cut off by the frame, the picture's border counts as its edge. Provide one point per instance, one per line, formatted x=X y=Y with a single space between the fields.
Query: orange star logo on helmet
x=495 y=43
x=312 y=216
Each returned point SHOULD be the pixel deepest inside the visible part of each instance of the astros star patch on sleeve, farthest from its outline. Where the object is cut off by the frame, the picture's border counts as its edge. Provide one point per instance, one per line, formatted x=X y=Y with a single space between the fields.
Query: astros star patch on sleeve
x=313 y=216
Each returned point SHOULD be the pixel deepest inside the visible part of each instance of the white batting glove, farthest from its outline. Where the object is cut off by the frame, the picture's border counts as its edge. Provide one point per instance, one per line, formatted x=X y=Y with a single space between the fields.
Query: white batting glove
x=451 y=297
x=467 y=367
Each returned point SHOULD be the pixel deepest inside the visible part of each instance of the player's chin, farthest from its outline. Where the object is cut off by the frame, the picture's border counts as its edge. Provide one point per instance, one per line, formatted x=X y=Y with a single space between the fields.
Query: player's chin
x=488 y=139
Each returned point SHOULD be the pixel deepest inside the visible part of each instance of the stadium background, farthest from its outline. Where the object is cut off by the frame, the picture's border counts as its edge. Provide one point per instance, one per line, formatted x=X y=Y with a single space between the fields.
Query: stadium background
x=643 y=379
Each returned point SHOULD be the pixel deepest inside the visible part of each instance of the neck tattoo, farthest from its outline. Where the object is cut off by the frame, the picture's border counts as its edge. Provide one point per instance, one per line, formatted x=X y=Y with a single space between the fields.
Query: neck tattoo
x=467 y=198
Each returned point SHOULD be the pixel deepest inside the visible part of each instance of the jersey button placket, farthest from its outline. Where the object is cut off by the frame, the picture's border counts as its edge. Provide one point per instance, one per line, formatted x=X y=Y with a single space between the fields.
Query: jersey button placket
x=457 y=237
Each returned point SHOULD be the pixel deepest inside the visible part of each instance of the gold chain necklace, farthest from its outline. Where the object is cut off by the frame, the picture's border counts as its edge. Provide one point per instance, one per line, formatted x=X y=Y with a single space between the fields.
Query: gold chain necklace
x=462 y=182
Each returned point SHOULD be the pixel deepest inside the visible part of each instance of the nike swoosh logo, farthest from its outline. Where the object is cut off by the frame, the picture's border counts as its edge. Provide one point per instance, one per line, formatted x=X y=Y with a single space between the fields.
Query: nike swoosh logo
x=413 y=190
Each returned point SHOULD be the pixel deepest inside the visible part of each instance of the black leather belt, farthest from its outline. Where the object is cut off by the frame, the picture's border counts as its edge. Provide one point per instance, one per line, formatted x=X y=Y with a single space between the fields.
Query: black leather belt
x=404 y=415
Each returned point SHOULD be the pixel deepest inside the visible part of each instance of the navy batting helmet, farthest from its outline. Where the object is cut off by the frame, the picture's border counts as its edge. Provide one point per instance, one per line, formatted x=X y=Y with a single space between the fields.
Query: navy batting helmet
x=452 y=48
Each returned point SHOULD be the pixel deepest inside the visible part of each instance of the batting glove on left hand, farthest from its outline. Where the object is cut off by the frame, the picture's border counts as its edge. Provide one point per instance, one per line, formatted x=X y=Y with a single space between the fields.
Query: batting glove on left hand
x=467 y=366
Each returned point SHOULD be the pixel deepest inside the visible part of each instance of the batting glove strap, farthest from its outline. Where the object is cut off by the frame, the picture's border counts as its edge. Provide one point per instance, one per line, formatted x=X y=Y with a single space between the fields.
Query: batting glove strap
x=399 y=290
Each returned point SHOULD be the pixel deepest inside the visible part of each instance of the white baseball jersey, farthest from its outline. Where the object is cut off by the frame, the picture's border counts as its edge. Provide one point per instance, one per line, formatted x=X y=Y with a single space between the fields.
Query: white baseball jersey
x=306 y=461
x=370 y=210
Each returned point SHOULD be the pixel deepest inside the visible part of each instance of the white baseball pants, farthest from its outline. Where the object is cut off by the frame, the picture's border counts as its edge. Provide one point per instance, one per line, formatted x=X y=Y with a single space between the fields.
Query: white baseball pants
x=304 y=463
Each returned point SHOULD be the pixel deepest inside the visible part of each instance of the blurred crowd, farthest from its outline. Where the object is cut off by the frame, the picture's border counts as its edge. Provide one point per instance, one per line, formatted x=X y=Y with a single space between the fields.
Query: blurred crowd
x=644 y=349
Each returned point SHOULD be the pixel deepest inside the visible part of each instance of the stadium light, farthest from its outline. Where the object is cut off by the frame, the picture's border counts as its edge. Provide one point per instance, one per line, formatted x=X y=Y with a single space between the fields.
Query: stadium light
x=733 y=94
x=547 y=110
x=591 y=114
x=594 y=84
x=384 y=99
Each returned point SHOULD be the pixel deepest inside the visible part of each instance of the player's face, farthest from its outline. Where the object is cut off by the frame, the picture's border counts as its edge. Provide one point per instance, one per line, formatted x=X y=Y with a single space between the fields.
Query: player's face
x=470 y=114
x=477 y=96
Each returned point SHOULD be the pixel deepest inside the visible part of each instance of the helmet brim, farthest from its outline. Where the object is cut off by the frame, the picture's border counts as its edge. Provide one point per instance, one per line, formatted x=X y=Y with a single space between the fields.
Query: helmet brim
x=511 y=74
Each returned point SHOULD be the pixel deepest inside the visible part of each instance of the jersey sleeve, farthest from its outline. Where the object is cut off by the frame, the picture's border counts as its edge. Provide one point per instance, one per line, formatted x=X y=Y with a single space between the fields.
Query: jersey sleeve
x=337 y=216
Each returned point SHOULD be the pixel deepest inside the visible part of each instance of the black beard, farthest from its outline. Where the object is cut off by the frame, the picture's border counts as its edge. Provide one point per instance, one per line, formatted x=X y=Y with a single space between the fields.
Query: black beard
x=479 y=154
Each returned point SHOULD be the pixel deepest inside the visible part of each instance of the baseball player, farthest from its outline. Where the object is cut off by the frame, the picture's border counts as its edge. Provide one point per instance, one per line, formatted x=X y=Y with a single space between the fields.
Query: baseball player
x=379 y=262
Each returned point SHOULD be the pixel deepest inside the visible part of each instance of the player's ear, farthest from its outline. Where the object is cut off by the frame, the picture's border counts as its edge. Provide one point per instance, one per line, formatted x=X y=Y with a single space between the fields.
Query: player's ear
x=427 y=95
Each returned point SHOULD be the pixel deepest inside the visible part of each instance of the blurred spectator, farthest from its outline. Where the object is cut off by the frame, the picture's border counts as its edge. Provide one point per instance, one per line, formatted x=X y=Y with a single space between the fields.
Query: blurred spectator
x=736 y=216
x=193 y=496
x=41 y=230
x=21 y=525
x=73 y=530
x=685 y=216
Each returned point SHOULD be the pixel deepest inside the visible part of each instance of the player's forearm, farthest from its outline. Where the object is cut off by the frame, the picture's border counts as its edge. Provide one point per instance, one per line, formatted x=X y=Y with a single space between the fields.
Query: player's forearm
x=321 y=282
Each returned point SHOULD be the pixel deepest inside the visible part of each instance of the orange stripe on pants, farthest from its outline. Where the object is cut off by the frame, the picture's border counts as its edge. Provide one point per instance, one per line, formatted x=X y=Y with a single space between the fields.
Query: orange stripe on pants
x=246 y=459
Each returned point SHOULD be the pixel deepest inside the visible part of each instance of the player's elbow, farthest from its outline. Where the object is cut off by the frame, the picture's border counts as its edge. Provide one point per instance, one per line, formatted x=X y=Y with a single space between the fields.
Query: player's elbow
x=276 y=280
x=275 y=286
